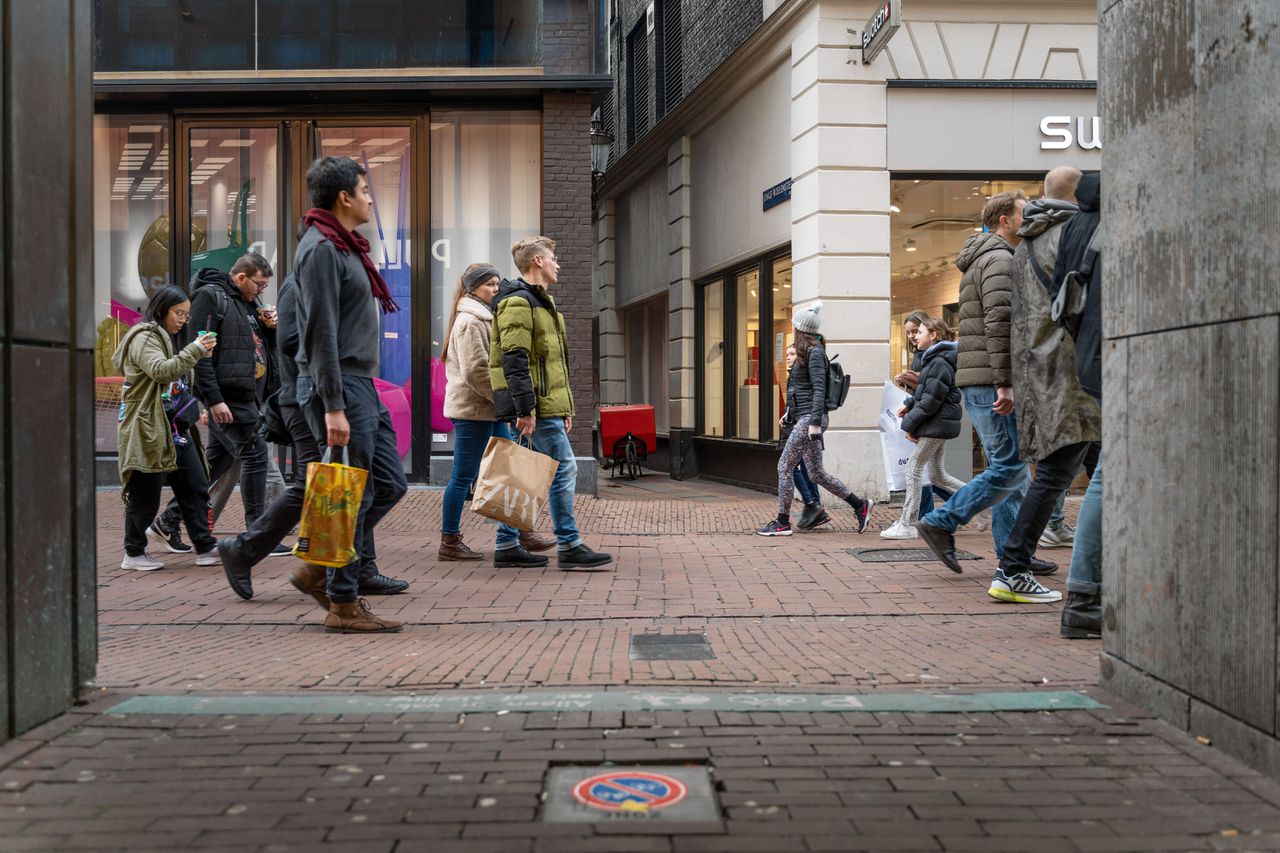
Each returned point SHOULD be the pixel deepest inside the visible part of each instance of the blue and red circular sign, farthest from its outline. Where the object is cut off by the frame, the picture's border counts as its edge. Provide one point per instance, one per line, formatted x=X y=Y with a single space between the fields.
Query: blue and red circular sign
x=630 y=791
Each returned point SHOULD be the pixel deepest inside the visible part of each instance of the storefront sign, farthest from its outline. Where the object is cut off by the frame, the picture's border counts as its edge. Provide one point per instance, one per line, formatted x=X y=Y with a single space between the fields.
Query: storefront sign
x=777 y=194
x=1088 y=135
x=883 y=24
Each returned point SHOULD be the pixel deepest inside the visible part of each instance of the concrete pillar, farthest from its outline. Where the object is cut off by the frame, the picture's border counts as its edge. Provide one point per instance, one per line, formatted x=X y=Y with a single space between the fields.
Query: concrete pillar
x=1191 y=365
x=48 y=601
x=840 y=224
x=681 y=353
x=613 y=349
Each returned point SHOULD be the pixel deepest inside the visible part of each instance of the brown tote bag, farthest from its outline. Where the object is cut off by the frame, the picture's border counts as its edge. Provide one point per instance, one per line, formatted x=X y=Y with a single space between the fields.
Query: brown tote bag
x=513 y=483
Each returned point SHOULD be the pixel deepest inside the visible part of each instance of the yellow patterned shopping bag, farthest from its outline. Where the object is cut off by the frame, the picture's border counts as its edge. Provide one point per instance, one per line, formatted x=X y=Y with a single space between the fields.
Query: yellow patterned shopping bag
x=330 y=511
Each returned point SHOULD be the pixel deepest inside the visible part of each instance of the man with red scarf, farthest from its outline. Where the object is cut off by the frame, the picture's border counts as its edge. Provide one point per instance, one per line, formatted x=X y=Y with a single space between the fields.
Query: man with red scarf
x=340 y=294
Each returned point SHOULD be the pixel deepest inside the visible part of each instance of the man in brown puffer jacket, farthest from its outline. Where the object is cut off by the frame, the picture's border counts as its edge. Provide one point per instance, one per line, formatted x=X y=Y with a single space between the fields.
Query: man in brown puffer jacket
x=984 y=375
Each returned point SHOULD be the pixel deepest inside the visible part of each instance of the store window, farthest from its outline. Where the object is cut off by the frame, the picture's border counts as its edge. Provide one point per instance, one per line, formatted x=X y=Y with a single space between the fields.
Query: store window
x=930 y=223
x=733 y=308
x=486 y=193
x=130 y=243
x=747 y=351
x=713 y=359
x=646 y=342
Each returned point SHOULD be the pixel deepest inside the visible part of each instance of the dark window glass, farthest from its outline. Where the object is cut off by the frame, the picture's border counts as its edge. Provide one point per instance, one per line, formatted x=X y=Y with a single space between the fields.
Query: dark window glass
x=218 y=35
x=637 y=83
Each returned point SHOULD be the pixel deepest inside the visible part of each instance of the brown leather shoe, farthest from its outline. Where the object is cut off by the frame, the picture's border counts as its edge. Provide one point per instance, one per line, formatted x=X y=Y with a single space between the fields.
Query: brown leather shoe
x=453 y=548
x=311 y=580
x=357 y=618
x=534 y=542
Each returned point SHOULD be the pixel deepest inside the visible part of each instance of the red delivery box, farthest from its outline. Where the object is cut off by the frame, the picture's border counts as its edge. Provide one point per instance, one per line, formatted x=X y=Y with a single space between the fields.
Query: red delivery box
x=617 y=421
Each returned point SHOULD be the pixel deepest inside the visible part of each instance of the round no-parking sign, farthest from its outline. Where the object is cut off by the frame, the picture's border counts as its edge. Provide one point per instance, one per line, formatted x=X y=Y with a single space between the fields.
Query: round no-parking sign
x=630 y=791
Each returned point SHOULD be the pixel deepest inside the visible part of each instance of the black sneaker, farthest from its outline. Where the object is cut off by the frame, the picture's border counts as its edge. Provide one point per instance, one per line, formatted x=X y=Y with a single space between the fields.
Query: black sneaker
x=864 y=515
x=281 y=550
x=775 y=528
x=169 y=538
x=380 y=584
x=580 y=557
x=517 y=557
x=809 y=519
x=1042 y=567
x=942 y=543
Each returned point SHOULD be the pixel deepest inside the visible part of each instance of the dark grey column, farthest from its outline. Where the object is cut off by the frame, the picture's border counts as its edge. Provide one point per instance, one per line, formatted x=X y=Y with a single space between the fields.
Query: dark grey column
x=48 y=645
x=1191 y=364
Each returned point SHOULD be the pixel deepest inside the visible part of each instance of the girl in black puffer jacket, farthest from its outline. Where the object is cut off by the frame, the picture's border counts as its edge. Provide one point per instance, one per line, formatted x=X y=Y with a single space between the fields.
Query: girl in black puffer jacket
x=932 y=415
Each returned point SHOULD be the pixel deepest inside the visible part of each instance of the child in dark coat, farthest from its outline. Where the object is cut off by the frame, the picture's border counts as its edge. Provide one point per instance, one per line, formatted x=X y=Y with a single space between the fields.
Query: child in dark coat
x=932 y=415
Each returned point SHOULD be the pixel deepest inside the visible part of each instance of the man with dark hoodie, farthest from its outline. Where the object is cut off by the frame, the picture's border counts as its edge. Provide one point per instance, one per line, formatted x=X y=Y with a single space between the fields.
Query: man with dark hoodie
x=529 y=372
x=985 y=379
x=340 y=293
x=233 y=384
x=1082 y=616
x=1057 y=421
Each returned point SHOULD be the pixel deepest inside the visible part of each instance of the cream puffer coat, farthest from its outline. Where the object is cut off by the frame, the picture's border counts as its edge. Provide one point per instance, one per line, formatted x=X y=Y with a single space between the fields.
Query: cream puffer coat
x=469 y=396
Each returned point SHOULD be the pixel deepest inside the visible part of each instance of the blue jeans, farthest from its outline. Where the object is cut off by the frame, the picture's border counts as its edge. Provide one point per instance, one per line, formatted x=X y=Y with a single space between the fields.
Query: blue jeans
x=550 y=438
x=470 y=438
x=1086 y=558
x=808 y=490
x=1003 y=483
x=926 y=497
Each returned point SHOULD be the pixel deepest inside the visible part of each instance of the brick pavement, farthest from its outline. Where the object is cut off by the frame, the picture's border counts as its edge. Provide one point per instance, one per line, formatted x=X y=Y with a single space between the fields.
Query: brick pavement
x=778 y=612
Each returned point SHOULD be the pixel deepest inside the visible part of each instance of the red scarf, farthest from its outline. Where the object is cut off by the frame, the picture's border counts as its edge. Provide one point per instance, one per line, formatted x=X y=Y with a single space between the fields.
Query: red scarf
x=346 y=241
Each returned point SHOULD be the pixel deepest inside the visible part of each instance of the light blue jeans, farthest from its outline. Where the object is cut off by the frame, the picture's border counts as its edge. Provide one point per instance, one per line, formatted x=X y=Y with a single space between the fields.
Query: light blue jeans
x=470 y=438
x=1086 y=558
x=1003 y=483
x=550 y=438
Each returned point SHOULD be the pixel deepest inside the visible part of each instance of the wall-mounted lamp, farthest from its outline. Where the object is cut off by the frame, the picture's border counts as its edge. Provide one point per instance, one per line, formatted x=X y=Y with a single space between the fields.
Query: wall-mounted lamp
x=600 y=144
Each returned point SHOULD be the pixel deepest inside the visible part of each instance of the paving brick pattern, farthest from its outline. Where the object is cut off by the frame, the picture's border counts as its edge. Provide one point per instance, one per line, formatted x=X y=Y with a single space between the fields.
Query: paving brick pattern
x=1068 y=781
x=778 y=612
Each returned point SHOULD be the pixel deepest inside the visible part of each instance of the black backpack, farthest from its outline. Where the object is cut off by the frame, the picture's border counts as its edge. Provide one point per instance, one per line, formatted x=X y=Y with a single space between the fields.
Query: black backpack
x=837 y=385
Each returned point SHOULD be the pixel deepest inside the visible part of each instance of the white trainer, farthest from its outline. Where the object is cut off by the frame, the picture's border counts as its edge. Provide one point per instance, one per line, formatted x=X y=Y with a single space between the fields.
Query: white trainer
x=898 y=530
x=209 y=558
x=141 y=563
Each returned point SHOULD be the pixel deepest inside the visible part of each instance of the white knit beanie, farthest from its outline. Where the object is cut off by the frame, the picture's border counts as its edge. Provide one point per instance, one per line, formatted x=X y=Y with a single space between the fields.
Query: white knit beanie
x=807 y=320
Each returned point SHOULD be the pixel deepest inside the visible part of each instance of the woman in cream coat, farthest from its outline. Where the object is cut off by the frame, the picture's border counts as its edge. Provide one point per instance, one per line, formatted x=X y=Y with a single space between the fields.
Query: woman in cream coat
x=468 y=402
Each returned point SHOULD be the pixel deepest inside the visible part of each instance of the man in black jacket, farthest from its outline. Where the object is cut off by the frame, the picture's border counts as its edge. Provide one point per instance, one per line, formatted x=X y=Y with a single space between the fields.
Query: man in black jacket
x=1082 y=615
x=233 y=385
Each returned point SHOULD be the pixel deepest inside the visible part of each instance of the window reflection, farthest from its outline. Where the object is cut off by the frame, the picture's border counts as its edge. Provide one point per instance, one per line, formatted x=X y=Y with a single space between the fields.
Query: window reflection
x=713 y=359
x=747 y=336
x=782 y=336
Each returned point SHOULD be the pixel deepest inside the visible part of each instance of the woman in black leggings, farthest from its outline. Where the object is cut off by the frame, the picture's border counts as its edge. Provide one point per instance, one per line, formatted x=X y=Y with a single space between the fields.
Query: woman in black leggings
x=805 y=444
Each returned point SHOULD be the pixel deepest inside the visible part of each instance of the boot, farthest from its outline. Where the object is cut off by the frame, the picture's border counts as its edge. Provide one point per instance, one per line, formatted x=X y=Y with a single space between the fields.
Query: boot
x=453 y=548
x=356 y=618
x=533 y=542
x=1082 y=616
x=311 y=580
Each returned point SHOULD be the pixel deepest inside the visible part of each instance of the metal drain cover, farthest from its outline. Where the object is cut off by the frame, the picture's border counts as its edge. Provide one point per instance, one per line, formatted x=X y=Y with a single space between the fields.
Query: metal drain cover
x=671 y=647
x=902 y=555
x=608 y=794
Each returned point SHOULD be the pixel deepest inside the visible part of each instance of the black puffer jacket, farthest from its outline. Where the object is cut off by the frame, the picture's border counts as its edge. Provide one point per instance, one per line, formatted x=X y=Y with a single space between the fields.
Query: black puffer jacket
x=934 y=410
x=228 y=376
x=810 y=385
x=1075 y=240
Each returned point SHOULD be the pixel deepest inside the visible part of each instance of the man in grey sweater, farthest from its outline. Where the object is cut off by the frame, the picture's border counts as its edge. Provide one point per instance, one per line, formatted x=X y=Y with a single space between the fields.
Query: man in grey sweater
x=339 y=295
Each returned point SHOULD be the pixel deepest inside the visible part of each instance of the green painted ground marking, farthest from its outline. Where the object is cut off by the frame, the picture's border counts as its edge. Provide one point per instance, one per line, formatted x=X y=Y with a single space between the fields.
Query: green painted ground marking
x=458 y=701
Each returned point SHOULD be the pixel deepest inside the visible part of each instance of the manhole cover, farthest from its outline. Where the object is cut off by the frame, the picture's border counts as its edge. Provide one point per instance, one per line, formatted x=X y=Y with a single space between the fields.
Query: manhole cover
x=671 y=647
x=903 y=555
x=597 y=794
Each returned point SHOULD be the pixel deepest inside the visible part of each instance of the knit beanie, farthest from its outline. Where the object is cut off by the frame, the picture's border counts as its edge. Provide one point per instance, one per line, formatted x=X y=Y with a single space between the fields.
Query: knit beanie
x=478 y=276
x=807 y=320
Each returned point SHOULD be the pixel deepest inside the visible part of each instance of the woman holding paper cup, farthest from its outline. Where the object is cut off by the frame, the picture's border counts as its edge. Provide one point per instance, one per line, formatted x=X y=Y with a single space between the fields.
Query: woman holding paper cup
x=468 y=402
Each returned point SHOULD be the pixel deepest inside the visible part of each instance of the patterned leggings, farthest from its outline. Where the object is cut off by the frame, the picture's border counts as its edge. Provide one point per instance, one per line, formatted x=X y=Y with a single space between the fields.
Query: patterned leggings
x=928 y=454
x=800 y=449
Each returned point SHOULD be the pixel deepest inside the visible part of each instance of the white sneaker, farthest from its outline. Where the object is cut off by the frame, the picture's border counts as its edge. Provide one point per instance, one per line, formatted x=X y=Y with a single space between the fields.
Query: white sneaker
x=898 y=530
x=142 y=563
x=1021 y=589
x=1062 y=536
x=209 y=558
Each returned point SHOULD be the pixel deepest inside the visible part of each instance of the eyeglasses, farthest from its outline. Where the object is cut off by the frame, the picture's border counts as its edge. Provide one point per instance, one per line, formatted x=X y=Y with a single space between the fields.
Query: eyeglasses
x=261 y=282
x=182 y=315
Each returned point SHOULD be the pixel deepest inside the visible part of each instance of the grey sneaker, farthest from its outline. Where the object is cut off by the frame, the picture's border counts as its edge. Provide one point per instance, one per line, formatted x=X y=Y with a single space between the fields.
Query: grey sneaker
x=1062 y=536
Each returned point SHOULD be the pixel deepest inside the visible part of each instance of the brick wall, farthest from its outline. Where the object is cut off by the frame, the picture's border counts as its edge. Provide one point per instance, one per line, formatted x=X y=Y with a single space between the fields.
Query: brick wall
x=566 y=218
x=566 y=36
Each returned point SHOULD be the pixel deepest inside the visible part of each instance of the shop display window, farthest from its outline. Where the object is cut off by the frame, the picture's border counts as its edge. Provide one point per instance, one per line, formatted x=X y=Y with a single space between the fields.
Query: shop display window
x=713 y=359
x=747 y=346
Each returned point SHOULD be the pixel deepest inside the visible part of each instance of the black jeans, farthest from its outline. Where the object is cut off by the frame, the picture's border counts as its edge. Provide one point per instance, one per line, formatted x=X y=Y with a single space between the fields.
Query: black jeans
x=1054 y=474
x=373 y=447
x=190 y=490
x=274 y=524
x=241 y=440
